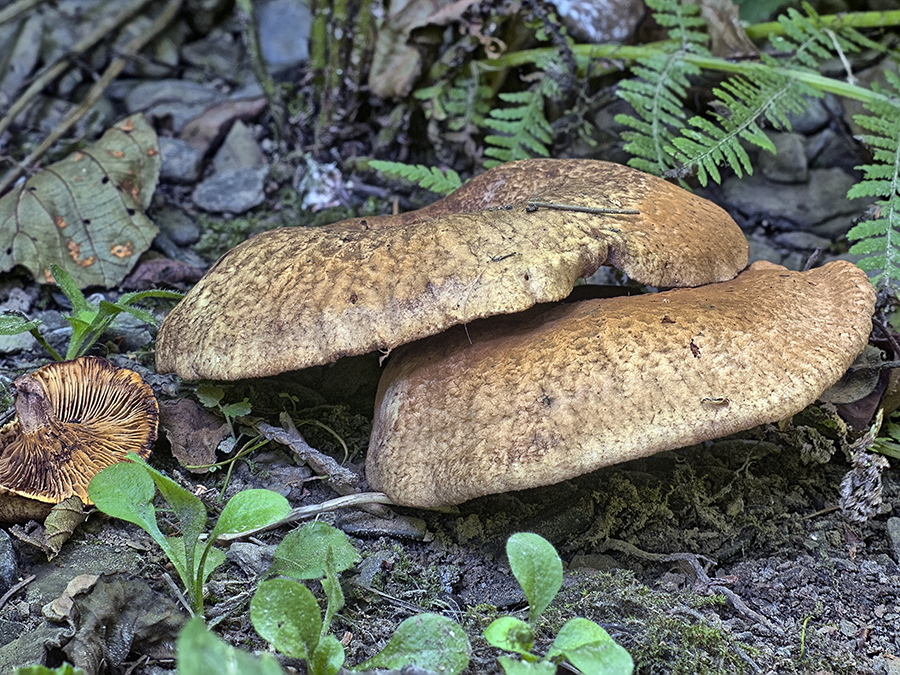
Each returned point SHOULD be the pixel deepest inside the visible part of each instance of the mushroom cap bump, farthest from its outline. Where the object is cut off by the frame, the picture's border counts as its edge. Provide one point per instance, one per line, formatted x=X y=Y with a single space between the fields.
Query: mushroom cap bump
x=292 y=298
x=72 y=419
x=536 y=398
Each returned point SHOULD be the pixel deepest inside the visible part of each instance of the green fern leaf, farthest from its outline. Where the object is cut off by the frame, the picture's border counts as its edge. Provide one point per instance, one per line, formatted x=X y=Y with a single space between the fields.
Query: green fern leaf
x=878 y=239
x=430 y=178
x=524 y=130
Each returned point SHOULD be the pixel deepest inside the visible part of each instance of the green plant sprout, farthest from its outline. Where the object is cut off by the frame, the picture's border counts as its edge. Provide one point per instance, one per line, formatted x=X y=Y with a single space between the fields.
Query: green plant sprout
x=581 y=642
x=200 y=652
x=126 y=491
x=64 y=669
x=286 y=613
x=88 y=320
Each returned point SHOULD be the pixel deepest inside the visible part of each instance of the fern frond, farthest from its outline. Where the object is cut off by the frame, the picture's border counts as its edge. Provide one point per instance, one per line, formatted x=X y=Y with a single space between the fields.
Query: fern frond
x=658 y=91
x=524 y=130
x=878 y=239
x=430 y=178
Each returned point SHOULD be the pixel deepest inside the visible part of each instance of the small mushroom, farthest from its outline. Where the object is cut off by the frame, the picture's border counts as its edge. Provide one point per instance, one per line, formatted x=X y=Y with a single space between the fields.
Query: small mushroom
x=517 y=235
x=72 y=419
x=542 y=396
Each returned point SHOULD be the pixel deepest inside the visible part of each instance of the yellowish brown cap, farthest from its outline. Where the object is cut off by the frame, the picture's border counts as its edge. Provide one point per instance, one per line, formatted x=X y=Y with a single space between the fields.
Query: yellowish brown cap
x=539 y=397
x=73 y=419
x=297 y=297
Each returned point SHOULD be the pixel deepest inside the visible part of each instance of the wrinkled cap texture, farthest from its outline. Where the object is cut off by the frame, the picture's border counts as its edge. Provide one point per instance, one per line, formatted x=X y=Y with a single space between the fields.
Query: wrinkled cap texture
x=297 y=297
x=72 y=419
x=536 y=398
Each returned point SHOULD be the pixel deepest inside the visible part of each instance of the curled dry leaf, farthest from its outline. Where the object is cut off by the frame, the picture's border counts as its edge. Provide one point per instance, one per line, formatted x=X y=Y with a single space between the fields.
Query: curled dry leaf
x=86 y=212
x=546 y=395
x=72 y=419
x=297 y=297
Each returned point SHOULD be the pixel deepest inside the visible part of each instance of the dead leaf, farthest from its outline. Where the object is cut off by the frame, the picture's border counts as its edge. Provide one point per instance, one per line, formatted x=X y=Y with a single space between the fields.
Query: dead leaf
x=162 y=272
x=396 y=63
x=726 y=33
x=193 y=431
x=85 y=212
x=120 y=616
x=61 y=609
x=58 y=526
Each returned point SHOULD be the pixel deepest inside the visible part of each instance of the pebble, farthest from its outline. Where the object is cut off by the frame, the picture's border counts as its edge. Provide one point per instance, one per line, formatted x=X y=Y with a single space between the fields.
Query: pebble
x=284 y=27
x=9 y=566
x=239 y=150
x=233 y=191
x=788 y=164
x=601 y=21
x=893 y=534
x=177 y=225
x=179 y=100
x=218 y=53
x=253 y=559
x=181 y=162
x=816 y=114
x=804 y=241
x=811 y=205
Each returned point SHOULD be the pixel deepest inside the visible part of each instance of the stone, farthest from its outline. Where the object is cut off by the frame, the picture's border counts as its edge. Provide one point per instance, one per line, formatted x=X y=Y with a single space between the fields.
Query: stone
x=233 y=191
x=762 y=249
x=9 y=566
x=284 y=27
x=179 y=100
x=239 y=150
x=253 y=559
x=181 y=162
x=219 y=53
x=893 y=535
x=804 y=241
x=805 y=206
x=177 y=225
x=788 y=164
x=816 y=114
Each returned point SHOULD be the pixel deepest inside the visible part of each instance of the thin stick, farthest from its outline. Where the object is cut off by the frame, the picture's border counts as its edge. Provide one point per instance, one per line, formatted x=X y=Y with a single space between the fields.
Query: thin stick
x=116 y=66
x=534 y=206
x=15 y=589
x=12 y=11
x=56 y=69
x=301 y=512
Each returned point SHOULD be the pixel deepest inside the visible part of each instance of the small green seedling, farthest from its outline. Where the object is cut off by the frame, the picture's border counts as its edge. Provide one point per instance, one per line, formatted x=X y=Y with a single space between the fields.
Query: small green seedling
x=583 y=643
x=126 y=491
x=286 y=613
x=199 y=652
x=211 y=395
x=88 y=320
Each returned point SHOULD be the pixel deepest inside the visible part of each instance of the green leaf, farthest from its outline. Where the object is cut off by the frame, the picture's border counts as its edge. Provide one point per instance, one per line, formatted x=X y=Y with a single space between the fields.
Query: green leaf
x=286 y=614
x=64 y=669
x=214 y=558
x=511 y=634
x=301 y=554
x=240 y=409
x=328 y=656
x=331 y=584
x=199 y=652
x=513 y=666
x=71 y=290
x=13 y=324
x=210 y=395
x=429 y=641
x=126 y=491
x=590 y=648
x=248 y=510
x=85 y=213
x=537 y=568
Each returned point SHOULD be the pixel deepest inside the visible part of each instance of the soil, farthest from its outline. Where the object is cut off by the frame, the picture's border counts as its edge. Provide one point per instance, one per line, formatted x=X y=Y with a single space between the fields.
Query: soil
x=729 y=557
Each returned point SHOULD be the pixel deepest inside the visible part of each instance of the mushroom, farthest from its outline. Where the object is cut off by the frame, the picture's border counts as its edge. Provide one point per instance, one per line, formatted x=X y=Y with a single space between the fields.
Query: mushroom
x=72 y=419
x=558 y=391
x=517 y=235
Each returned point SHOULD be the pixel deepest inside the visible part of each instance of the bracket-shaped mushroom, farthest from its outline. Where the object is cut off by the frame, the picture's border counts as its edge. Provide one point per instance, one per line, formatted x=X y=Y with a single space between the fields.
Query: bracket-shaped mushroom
x=535 y=398
x=517 y=235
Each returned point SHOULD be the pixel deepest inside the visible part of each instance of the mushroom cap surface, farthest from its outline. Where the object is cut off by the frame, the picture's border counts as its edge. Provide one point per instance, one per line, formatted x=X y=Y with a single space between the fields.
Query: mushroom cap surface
x=292 y=298
x=73 y=419
x=555 y=392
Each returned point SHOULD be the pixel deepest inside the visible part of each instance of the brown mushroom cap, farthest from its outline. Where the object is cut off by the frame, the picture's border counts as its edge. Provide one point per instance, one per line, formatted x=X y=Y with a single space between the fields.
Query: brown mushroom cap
x=536 y=398
x=73 y=419
x=297 y=297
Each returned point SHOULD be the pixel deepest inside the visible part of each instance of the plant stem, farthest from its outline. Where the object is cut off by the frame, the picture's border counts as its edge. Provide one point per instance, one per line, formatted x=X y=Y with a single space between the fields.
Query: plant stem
x=42 y=341
x=761 y=31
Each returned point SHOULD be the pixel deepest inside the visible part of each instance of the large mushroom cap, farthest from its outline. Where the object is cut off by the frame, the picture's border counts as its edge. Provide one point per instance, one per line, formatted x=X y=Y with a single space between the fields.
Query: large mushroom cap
x=297 y=297
x=533 y=399
x=73 y=419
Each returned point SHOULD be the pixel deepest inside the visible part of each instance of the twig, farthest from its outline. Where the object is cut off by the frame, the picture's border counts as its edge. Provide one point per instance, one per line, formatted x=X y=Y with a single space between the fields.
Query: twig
x=301 y=512
x=12 y=11
x=52 y=71
x=699 y=570
x=112 y=71
x=340 y=479
x=178 y=594
x=597 y=211
x=15 y=589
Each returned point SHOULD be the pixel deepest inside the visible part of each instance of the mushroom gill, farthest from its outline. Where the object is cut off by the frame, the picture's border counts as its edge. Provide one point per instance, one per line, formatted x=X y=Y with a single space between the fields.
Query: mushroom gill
x=73 y=419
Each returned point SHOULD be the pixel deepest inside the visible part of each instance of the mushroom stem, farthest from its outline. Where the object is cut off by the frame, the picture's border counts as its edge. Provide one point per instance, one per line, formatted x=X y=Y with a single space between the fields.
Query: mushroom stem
x=33 y=407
